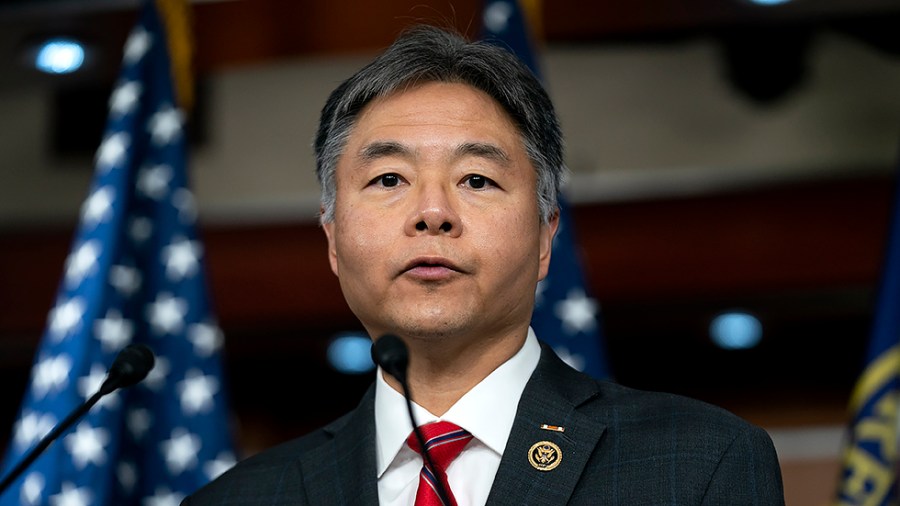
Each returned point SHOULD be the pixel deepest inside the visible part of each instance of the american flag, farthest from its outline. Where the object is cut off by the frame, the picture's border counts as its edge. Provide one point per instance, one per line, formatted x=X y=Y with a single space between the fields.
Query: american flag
x=565 y=315
x=135 y=274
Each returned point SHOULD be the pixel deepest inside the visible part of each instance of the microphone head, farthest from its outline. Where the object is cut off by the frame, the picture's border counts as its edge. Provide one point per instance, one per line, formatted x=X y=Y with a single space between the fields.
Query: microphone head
x=131 y=365
x=390 y=352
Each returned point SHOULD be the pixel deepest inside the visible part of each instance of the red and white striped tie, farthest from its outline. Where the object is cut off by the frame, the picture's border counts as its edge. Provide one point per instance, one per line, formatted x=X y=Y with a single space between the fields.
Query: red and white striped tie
x=444 y=442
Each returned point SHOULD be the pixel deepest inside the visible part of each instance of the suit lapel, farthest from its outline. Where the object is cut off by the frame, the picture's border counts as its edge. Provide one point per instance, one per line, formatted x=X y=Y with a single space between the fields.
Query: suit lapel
x=342 y=471
x=552 y=398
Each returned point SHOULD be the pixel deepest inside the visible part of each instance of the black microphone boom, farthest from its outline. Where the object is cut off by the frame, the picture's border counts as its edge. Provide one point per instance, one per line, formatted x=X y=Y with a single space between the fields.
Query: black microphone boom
x=131 y=365
x=391 y=354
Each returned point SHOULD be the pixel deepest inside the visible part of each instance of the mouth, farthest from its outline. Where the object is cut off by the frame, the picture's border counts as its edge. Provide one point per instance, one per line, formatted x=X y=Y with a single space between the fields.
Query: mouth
x=430 y=268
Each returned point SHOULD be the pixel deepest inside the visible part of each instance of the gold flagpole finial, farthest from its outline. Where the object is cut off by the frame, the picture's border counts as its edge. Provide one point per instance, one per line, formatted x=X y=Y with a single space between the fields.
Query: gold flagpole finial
x=176 y=18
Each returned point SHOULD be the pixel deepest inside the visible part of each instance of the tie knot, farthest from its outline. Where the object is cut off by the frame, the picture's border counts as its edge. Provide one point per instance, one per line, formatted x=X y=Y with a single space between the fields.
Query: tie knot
x=443 y=440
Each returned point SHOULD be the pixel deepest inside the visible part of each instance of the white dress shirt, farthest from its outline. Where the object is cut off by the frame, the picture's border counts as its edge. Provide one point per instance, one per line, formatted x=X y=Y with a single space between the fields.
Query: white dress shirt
x=487 y=411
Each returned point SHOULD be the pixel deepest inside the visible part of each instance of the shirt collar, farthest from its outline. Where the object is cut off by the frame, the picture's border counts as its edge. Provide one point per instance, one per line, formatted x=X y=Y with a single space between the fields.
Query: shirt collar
x=487 y=410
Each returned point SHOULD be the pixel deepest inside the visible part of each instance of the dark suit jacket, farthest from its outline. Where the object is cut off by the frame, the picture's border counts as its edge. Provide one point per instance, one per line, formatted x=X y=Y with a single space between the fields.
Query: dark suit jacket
x=620 y=447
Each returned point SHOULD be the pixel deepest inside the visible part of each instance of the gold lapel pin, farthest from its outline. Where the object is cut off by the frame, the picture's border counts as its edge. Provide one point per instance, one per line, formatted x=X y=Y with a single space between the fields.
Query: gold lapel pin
x=544 y=456
x=554 y=428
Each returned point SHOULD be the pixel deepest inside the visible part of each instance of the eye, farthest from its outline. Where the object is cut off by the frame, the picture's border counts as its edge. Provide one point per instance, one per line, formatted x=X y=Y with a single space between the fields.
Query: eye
x=386 y=180
x=478 y=182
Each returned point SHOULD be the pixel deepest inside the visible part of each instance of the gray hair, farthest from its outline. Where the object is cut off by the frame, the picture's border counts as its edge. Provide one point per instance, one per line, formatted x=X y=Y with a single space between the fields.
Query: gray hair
x=429 y=54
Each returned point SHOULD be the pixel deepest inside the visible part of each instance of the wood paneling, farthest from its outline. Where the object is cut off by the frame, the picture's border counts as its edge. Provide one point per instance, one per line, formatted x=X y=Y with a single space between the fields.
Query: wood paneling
x=809 y=237
x=251 y=31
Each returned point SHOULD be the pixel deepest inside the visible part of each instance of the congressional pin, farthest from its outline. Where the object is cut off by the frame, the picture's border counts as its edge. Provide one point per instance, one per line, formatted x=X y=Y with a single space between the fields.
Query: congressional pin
x=554 y=428
x=544 y=456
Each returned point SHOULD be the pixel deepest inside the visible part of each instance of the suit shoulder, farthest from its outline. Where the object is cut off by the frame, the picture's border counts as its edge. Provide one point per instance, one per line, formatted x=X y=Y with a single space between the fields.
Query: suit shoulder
x=278 y=467
x=650 y=408
x=656 y=423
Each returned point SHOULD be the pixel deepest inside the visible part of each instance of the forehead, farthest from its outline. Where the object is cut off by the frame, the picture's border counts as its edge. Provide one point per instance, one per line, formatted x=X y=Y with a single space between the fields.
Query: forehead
x=436 y=109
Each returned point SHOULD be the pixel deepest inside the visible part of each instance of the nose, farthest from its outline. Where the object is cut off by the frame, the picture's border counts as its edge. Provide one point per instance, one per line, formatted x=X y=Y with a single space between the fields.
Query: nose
x=434 y=213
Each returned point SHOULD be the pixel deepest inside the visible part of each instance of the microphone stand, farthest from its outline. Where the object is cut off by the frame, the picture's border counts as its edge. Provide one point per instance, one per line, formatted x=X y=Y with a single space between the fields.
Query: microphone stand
x=391 y=353
x=130 y=366
x=48 y=439
x=439 y=483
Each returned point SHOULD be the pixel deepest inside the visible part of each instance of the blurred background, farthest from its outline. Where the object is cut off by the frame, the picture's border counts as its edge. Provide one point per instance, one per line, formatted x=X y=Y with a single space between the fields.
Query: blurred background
x=729 y=158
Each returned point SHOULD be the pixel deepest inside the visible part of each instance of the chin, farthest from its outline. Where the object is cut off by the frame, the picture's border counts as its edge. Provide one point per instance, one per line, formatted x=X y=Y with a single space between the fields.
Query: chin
x=420 y=319
x=432 y=327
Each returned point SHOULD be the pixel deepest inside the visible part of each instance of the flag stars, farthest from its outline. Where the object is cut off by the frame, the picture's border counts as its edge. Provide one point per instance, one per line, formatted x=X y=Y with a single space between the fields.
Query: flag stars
x=163 y=497
x=180 y=451
x=139 y=41
x=153 y=182
x=157 y=377
x=165 y=125
x=66 y=317
x=98 y=206
x=126 y=280
x=139 y=421
x=196 y=392
x=207 y=338
x=32 y=427
x=167 y=313
x=496 y=16
x=82 y=262
x=87 y=445
x=112 y=151
x=32 y=489
x=124 y=98
x=223 y=462
x=183 y=200
x=577 y=312
x=126 y=473
x=50 y=374
x=90 y=384
x=573 y=359
x=70 y=495
x=181 y=258
x=140 y=229
x=113 y=331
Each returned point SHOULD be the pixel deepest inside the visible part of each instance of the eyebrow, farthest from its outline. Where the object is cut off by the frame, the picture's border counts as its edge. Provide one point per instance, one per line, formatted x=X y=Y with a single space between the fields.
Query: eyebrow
x=382 y=149
x=483 y=150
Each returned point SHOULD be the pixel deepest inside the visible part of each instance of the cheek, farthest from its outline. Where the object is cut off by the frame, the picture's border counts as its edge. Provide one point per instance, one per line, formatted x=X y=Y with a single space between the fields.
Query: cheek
x=361 y=238
x=510 y=240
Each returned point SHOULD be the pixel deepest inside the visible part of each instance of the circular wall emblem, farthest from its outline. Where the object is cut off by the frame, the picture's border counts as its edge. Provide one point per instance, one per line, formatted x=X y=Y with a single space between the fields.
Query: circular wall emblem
x=544 y=456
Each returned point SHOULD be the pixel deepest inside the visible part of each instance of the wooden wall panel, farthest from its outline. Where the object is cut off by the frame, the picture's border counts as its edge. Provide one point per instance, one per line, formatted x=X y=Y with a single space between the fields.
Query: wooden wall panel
x=810 y=237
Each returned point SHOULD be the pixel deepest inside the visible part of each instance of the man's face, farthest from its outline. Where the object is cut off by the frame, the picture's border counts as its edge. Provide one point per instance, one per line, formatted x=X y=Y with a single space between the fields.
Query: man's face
x=436 y=230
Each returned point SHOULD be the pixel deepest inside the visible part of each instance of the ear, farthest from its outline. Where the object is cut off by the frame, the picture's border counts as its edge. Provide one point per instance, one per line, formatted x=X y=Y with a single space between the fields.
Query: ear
x=547 y=233
x=328 y=228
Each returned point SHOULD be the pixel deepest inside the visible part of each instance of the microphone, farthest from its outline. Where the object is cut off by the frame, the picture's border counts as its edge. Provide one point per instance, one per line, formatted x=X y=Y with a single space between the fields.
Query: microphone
x=131 y=365
x=390 y=352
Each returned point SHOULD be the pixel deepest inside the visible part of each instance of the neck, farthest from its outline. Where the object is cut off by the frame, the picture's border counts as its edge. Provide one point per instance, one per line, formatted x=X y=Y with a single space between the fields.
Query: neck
x=440 y=374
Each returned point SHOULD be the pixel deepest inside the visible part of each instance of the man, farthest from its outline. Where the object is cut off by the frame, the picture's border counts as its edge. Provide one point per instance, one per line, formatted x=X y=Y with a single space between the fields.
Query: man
x=440 y=164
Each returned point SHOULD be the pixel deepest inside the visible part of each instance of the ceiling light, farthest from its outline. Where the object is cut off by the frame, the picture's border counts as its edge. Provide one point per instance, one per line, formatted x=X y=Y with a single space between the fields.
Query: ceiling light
x=59 y=56
x=735 y=330
x=351 y=353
